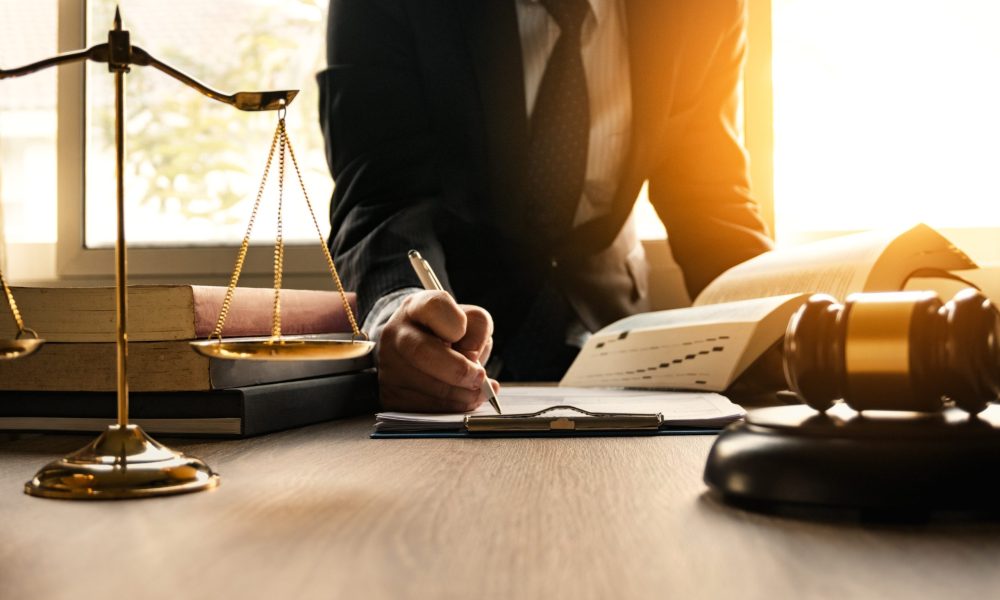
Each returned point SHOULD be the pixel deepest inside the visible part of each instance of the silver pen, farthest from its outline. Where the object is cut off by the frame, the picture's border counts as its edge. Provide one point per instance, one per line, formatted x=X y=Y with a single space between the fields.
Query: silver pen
x=430 y=282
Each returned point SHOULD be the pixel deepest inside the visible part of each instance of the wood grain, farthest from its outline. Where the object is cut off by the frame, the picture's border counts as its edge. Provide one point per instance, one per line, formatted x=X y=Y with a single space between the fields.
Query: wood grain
x=325 y=512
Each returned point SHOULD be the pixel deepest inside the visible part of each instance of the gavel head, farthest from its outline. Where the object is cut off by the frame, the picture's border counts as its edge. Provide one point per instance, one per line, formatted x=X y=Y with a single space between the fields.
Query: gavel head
x=895 y=351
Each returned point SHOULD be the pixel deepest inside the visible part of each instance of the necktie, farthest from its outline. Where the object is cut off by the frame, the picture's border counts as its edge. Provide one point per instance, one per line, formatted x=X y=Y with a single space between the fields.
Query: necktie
x=560 y=129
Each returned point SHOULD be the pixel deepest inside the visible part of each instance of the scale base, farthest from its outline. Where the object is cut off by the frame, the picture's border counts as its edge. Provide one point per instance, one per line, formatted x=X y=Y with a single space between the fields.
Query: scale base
x=877 y=466
x=123 y=462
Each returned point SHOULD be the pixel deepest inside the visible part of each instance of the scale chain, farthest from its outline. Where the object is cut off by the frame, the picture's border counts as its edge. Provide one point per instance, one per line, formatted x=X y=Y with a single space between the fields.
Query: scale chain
x=279 y=240
x=326 y=250
x=21 y=329
x=282 y=142
x=241 y=255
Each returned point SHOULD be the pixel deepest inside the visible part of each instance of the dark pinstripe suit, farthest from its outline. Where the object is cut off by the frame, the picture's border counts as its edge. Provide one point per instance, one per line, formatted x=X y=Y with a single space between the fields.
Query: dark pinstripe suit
x=423 y=111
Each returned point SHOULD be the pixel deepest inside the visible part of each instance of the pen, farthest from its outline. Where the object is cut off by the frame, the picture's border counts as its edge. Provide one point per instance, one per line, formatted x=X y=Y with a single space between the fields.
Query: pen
x=430 y=282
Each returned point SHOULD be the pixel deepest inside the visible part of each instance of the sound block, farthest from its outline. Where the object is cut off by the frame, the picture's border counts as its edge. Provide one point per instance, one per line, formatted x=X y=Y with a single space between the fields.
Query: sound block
x=879 y=464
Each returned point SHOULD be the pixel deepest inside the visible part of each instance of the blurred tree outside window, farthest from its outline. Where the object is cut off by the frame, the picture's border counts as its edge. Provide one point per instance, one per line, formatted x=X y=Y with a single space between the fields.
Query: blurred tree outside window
x=194 y=164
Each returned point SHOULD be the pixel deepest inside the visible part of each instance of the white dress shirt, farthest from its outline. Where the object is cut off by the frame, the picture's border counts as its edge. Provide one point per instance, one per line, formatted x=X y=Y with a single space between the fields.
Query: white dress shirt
x=605 y=62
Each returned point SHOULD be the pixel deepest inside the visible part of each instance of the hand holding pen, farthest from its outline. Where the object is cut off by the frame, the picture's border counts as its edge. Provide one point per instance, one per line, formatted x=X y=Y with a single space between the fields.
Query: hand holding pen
x=431 y=282
x=430 y=354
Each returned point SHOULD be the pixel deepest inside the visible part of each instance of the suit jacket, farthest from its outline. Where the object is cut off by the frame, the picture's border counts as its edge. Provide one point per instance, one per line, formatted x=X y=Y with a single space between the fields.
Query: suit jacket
x=423 y=111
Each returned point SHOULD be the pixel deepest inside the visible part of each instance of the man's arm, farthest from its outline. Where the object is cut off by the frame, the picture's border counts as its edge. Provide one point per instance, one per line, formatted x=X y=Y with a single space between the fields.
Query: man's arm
x=702 y=189
x=388 y=199
x=380 y=148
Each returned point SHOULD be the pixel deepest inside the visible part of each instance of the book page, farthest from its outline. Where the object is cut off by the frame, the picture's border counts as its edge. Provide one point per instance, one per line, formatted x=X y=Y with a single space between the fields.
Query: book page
x=87 y=314
x=986 y=279
x=677 y=408
x=835 y=266
x=867 y=261
x=921 y=249
x=697 y=348
x=944 y=283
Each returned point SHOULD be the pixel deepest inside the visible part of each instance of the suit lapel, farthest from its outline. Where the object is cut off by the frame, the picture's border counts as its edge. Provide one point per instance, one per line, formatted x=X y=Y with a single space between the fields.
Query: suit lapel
x=495 y=47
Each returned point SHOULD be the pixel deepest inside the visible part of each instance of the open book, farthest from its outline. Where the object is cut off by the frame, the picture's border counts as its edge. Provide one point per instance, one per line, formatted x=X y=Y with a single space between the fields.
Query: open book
x=745 y=310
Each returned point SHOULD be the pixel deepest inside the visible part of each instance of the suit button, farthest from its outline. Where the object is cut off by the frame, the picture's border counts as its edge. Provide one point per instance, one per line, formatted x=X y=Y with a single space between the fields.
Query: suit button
x=555 y=263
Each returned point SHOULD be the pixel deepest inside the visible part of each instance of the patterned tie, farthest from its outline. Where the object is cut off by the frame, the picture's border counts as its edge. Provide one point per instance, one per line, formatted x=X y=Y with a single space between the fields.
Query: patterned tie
x=560 y=129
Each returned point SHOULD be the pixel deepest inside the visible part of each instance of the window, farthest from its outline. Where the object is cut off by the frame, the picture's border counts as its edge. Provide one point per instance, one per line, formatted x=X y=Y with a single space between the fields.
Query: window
x=885 y=113
x=28 y=125
x=193 y=165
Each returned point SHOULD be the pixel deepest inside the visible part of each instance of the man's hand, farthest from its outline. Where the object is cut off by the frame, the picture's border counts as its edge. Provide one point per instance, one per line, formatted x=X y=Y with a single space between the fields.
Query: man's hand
x=431 y=352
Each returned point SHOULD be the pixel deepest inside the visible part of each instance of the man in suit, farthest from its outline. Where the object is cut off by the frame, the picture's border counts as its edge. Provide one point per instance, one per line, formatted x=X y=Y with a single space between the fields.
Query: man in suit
x=507 y=140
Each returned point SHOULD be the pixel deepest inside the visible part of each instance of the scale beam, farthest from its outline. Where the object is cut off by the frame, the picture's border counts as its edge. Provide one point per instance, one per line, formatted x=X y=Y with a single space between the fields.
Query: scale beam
x=249 y=101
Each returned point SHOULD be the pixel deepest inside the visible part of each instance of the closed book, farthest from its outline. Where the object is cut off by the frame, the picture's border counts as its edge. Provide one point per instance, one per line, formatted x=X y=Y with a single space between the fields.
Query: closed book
x=155 y=367
x=234 y=412
x=173 y=312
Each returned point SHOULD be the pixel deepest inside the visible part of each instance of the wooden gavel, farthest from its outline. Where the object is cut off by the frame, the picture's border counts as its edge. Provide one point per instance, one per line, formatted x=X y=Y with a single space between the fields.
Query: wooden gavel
x=903 y=351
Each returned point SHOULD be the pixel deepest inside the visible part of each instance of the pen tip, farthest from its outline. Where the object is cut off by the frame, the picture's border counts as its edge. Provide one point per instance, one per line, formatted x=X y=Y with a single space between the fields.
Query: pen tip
x=413 y=254
x=494 y=401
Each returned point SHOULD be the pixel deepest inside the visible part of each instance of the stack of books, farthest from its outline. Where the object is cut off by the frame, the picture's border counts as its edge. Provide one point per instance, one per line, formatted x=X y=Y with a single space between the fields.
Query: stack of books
x=70 y=383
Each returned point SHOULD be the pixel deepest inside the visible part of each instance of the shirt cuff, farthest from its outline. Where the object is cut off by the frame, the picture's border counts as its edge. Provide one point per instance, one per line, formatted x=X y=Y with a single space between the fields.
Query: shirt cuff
x=382 y=311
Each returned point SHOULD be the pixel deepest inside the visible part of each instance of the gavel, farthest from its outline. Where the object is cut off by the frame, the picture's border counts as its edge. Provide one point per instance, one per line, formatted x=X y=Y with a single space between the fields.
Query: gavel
x=900 y=351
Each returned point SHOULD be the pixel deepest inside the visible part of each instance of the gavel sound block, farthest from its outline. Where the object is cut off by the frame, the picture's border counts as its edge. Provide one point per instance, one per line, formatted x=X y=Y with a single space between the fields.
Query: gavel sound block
x=898 y=421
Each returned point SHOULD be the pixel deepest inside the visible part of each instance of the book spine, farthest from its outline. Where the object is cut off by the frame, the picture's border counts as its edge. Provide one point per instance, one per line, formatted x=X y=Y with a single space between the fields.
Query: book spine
x=239 y=373
x=252 y=310
x=174 y=312
x=309 y=401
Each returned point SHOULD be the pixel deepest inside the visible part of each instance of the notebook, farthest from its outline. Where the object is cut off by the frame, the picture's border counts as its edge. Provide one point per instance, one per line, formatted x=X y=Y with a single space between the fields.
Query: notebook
x=535 y=410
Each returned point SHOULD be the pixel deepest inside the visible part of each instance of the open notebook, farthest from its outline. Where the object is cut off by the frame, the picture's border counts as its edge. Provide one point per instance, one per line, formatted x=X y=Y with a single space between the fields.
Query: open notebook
x=566 y=410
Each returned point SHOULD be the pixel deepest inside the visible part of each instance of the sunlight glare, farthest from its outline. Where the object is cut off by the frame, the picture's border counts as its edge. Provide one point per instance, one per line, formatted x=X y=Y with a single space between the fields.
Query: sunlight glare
x=885 y=112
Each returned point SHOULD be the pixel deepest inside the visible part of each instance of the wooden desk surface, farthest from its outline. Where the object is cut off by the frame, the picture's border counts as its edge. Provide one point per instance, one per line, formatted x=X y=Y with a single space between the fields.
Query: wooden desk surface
x=325 y=512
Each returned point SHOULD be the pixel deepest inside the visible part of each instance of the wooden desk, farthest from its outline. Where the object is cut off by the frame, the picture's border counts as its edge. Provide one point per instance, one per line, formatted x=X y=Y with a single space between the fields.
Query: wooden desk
x=325 y=512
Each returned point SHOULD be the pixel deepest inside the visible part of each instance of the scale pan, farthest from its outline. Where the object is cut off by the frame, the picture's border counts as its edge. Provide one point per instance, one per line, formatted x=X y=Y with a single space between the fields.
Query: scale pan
x=11 y=349
x=283 y=348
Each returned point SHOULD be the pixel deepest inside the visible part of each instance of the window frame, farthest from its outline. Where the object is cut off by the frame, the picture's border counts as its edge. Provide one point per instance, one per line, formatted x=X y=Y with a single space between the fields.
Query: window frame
x=758 y=108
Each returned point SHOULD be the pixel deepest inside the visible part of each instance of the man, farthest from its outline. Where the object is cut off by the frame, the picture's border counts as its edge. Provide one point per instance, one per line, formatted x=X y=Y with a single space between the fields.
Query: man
x=507 y=140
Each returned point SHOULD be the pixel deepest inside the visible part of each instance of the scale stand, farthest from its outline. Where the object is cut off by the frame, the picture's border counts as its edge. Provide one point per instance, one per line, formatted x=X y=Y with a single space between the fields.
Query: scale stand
x=124 y=462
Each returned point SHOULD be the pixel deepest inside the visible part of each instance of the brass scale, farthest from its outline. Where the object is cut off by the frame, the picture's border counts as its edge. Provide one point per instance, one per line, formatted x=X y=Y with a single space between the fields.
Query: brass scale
x=124 y=462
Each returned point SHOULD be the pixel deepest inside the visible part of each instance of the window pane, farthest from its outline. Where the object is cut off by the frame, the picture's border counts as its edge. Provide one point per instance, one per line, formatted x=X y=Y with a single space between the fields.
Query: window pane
x=194 y=164
x=885 y=112
x=28 y=124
